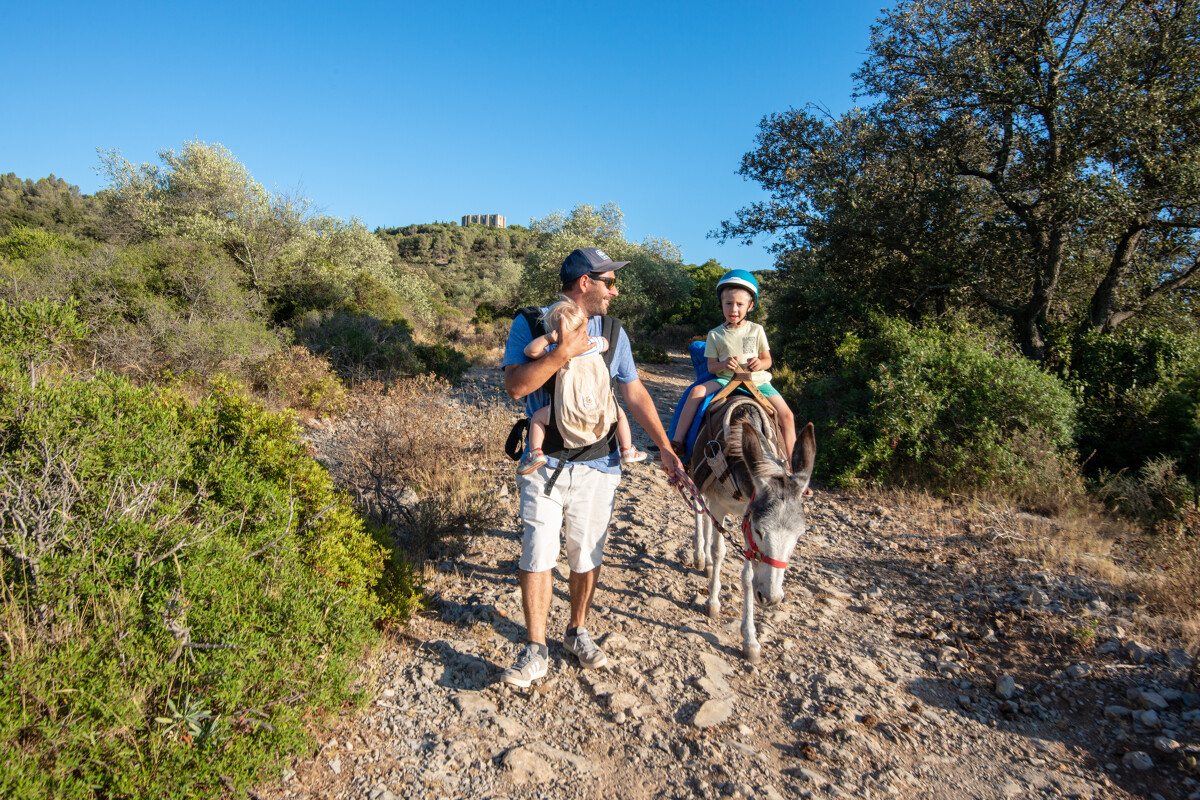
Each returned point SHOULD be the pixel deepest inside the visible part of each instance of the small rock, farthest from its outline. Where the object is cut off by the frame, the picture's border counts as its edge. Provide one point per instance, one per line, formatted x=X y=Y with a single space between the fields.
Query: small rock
x=1109 y=647
x=336 y=766
x=1006 y=686
x=1179 y=659
x=1148 y=718
x=527 y=766
x=1137 y=759
x=964 y=702
x=1137 y=653
x=712 y=712
x=1152 y=700
x=1116 y=712
x=622 y=701
x=1077 y=671
x=1165 y=744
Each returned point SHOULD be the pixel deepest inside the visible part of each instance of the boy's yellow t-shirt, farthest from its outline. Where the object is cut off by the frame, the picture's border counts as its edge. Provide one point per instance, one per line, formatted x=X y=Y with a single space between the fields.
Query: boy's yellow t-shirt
x=743 y=341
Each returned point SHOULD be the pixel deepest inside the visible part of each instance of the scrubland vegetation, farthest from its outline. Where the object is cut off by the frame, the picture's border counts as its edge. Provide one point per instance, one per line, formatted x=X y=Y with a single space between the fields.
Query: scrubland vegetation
x=184 y=589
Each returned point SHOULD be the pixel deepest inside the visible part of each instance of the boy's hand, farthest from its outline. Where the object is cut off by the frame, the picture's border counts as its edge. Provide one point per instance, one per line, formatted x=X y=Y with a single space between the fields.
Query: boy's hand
x=730 y=364
x=754 y=363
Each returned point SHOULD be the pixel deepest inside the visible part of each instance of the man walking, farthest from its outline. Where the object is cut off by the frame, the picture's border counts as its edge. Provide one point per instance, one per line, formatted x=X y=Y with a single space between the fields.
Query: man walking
x=580 y=501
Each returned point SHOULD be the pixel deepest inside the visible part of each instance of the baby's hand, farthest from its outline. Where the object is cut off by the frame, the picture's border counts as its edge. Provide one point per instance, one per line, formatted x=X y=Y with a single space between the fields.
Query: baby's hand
x=602 y=342
x=552 y=337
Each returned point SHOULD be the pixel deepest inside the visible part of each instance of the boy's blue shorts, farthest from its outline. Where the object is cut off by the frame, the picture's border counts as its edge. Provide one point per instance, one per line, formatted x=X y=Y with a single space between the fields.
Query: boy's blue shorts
x=766 y=388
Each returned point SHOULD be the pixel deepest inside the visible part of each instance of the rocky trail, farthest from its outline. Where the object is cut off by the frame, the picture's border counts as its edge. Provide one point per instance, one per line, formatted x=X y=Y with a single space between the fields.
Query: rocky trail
x=914 y=656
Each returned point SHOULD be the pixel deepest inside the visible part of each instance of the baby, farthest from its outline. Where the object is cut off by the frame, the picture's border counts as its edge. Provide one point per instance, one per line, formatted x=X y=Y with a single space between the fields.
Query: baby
x=566 y=313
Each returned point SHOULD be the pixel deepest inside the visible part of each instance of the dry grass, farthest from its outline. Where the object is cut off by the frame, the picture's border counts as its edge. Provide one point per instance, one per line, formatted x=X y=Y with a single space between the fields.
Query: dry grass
x=415 y=460
x=1162 y=568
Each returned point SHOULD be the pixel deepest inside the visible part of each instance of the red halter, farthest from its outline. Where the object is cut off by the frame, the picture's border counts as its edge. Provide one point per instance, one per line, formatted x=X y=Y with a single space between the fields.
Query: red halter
x=752 y=551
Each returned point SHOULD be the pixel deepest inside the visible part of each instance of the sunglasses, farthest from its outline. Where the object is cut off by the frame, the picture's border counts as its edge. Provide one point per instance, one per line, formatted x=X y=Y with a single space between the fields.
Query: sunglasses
x=608 y=282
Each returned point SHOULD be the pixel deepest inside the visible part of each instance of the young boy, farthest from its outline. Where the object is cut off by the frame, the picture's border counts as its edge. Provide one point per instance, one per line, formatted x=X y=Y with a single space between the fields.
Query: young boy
x=736 y=346
x=569 y=312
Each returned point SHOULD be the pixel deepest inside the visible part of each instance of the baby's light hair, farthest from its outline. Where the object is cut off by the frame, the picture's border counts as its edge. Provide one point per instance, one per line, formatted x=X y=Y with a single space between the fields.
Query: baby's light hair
x=565 y=310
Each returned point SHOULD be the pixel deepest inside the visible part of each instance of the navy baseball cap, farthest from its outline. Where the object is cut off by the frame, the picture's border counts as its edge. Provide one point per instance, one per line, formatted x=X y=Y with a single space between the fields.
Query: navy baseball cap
x=585 y=260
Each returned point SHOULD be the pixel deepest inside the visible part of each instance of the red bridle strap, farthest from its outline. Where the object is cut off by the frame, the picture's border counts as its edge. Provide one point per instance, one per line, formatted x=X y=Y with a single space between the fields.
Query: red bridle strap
x=752 y=551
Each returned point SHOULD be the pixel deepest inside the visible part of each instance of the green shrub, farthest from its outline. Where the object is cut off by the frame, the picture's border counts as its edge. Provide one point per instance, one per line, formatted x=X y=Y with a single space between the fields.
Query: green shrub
x=1140 y=393
x=442 y=360
x=360 y=346
x=296 y=378
x=181 y=588
x=946 y=409
x=648 y=353
x=27 y=243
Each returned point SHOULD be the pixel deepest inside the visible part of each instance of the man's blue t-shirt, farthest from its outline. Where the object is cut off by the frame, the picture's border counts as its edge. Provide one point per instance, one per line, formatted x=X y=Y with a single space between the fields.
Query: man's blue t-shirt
x=622 y=368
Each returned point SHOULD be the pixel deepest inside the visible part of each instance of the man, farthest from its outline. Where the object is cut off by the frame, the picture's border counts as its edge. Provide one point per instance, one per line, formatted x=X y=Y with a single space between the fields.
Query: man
x=583 y=494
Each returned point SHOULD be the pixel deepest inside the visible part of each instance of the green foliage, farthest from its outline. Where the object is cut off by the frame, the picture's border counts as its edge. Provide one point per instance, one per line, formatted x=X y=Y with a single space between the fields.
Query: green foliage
x=32 y=333
x=647 y=353
x=653 y=283
x=963 y=183
x=47 y=203
x=296 y=378
x=1140 y=399
x=360 y=346
x=1156 y=493
x=180 y=589
x=442 y=360
x=942 y=408
x=700 y=311
x=25 y=243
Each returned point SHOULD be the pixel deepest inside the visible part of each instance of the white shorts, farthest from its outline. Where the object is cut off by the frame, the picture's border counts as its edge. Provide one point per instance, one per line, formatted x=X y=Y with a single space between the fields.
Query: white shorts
x=583 y=498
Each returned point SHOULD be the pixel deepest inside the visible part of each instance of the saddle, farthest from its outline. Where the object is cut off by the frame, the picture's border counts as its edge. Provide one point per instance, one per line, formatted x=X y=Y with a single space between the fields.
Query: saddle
x=709 y=464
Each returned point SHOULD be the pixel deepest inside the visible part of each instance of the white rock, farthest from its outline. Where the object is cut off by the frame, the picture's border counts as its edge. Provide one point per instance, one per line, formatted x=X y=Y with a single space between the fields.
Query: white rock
x=1006 y=686
x=712 y=712
x=1137 y=759
x=527 y=766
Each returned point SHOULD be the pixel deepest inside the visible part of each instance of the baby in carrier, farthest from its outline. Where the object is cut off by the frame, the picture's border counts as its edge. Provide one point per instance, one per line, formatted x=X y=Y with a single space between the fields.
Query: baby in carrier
x=566 y=313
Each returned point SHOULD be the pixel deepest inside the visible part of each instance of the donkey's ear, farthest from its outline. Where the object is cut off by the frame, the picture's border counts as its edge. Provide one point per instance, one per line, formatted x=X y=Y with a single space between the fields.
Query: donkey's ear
x=803 y=454
x=752 y=451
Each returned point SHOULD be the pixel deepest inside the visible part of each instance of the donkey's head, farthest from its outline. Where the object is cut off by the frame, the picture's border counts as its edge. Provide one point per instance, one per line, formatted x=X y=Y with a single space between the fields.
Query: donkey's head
x=774 y=520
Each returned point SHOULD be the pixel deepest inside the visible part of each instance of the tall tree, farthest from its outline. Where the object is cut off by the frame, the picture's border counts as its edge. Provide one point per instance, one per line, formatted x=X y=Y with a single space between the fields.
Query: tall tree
x=1027 y=150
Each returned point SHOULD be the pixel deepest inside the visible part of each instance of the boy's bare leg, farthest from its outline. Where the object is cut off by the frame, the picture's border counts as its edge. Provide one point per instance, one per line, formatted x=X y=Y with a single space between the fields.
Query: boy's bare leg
x=537 y=428
x=787 y=424
x=624 y=434
x=688 y=413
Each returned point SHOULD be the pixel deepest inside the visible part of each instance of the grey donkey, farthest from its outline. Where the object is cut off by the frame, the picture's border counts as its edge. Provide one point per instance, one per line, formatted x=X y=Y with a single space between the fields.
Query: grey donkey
x=756 y=486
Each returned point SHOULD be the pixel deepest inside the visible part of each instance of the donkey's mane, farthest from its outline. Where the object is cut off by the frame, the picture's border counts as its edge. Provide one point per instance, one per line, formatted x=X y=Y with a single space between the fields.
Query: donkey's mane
x=749 y=412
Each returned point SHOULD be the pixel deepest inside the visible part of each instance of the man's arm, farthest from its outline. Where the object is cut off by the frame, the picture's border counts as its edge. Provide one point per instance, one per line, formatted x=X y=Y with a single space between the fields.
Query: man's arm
x=521 y=379
x=641 y=406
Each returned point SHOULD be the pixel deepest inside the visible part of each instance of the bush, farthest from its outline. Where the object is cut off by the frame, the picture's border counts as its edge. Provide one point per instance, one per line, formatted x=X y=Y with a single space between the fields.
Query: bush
x=442 y=360
x=298 y=379
x=946 y=409
x=360 y=346
x=1140 y=393
x=181 y=588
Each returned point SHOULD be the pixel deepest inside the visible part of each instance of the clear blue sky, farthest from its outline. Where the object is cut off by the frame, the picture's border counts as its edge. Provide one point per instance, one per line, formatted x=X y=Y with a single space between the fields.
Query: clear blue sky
x=413 y=112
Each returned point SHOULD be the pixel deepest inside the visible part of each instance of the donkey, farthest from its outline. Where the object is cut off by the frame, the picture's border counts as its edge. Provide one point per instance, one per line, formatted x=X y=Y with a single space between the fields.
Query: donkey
x=757 y=486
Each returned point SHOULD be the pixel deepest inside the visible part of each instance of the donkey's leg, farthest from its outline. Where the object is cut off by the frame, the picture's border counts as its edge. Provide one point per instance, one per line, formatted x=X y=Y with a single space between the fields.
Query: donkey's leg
x=716 y=550
x=750 y=646
x=700 y=544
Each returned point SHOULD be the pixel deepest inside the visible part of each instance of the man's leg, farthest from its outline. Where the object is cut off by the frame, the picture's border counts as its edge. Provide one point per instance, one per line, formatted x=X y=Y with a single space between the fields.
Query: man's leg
x=536 y=590
x=582 y=586
x=542 y=517
x=588 y=507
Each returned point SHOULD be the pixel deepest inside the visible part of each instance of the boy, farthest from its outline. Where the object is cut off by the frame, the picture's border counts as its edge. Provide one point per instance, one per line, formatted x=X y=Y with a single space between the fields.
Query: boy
x=568 y=312
x=737 y=346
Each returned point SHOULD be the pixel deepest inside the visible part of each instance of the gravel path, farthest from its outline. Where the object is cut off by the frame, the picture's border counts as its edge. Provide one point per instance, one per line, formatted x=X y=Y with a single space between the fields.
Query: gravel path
x=912 y=658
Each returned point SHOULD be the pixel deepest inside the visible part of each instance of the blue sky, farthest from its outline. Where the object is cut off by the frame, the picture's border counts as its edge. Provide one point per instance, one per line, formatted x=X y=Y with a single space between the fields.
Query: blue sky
x=413 y=112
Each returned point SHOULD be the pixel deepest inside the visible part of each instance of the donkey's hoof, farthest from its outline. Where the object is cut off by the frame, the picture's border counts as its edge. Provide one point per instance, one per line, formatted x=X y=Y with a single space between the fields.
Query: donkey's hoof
x=753 y=653
x=713 y=609
x=708 y=571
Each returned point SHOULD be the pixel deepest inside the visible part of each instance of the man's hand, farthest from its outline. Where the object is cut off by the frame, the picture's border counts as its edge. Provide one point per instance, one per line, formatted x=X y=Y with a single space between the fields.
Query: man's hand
x=573 y=342
x=671 y=464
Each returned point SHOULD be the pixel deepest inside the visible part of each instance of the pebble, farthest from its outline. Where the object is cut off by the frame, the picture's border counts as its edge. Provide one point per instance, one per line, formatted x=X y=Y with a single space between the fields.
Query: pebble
x=1137 y=759
x=712 y=712
x=1006 y=686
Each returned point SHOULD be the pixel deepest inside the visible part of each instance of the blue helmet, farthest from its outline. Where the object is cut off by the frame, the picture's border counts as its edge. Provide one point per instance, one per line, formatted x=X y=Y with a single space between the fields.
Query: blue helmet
x=740 y=278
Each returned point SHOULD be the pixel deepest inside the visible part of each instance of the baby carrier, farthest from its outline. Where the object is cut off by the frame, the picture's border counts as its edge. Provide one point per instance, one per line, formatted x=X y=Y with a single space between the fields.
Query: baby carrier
x=583 y=408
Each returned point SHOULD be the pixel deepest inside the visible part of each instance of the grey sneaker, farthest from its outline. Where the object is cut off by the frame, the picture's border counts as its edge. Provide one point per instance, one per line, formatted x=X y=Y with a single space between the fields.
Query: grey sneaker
x=528 y=667
x=589 y=654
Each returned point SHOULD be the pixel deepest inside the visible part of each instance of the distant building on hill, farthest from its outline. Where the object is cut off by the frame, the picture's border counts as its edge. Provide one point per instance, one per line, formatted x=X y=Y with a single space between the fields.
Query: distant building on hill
x=491 y=220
